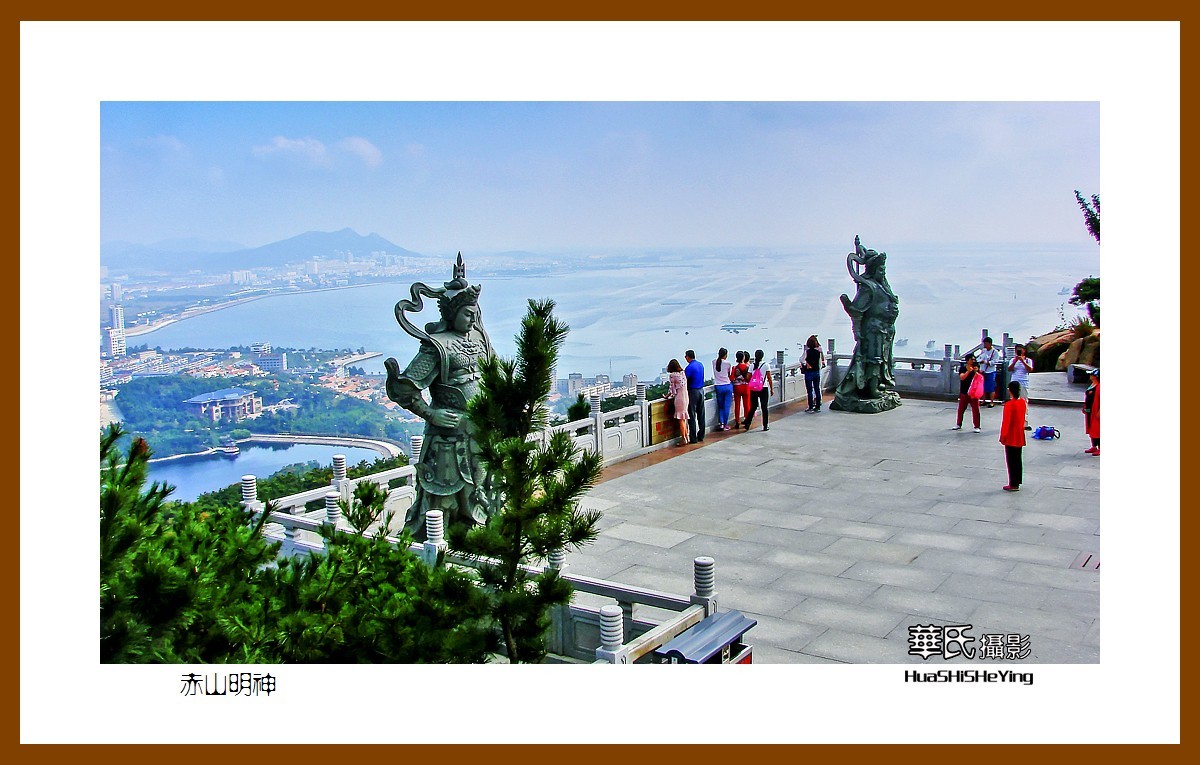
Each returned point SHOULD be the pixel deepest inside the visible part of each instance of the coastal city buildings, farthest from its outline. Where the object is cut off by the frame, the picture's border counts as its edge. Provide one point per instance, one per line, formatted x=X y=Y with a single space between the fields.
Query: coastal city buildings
x=115 y=334
x=228 y=404
x=272 y=362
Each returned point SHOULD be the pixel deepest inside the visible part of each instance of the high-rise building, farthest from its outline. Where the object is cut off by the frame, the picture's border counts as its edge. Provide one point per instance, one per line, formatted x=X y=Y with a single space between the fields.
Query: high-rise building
x=602 y=380
x=574 y=383
x=272 y=362
x=115 y=291
x=116 y=317
x=115 y=342
x=630 y=380
x=260 y=347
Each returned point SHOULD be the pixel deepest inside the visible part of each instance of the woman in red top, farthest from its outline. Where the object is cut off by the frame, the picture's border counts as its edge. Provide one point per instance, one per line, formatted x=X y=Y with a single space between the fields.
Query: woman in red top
x=1012 y=434
x=740 y=376
x=1091 y=412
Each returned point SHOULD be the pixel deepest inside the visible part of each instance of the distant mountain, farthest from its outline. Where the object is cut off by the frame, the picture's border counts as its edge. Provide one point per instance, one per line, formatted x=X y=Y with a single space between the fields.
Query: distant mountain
x=177 y=256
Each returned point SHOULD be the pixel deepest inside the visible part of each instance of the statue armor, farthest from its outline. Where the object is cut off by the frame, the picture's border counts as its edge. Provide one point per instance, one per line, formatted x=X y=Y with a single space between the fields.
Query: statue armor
x=450 y=476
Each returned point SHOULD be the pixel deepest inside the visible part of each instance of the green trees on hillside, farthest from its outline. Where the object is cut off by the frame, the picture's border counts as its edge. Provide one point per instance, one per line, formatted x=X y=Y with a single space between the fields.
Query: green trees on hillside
x=153 y=407
x=185 y=583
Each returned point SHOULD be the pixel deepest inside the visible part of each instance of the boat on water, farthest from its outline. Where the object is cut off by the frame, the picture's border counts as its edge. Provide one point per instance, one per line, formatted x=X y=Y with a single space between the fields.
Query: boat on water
x=902 y=342
x=1064 y=291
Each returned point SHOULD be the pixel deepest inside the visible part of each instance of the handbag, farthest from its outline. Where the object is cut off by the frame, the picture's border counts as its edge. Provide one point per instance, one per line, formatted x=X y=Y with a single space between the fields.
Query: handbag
x=976 y=389
x=1046 y=433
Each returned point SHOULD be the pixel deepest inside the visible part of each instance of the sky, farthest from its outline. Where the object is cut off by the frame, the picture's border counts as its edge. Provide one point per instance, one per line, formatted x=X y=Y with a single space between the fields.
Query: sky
x=496 y=176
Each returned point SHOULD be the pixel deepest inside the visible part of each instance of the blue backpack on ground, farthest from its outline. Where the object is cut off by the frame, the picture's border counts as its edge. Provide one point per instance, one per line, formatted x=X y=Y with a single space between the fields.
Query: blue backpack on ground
x=1046 y=433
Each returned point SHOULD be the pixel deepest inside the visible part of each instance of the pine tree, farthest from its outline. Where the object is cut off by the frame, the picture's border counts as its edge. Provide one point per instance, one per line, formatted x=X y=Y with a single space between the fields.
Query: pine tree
x=167 y=570
x=534 y=488
x=365 y=601
x=579 y=409
x=188 y=583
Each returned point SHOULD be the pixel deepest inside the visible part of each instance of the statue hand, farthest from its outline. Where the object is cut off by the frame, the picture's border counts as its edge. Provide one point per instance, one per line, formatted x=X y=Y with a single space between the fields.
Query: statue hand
x=444 y=418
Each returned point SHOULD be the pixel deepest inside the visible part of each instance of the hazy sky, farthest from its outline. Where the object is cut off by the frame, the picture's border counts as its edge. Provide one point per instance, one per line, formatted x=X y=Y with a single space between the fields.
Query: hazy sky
x=496 y=176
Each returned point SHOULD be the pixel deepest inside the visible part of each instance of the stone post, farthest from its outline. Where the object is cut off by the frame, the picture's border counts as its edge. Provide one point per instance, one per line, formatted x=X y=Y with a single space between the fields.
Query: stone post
x=612 y=636
x=333 y=513
x=598 y=423
x=1006 y=354
x=249 y=489
x=780 y=383
x=957 y=351
x=704 y=577
x=643 y=413
x=341 y=484
x=560 y=615
x=948 y=386
x=250 y=494
x=434 y=548
x=831 y=372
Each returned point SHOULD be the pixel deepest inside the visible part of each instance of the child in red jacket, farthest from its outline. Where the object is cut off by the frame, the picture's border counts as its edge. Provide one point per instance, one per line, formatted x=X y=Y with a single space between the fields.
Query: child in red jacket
x=1012 y=434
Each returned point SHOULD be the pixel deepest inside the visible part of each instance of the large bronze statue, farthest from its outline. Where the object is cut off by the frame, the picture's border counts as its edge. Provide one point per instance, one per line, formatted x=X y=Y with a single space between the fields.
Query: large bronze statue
x=450 y=476
x=869 y=385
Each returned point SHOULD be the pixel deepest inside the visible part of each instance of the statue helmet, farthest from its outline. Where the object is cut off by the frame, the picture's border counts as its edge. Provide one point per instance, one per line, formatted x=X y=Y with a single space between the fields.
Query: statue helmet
x=457 y=293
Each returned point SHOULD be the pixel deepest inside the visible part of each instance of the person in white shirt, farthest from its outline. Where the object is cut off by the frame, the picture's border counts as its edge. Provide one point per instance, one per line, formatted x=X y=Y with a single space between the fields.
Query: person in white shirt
x=723 y=387
x=989 y=359
x=1019 y=369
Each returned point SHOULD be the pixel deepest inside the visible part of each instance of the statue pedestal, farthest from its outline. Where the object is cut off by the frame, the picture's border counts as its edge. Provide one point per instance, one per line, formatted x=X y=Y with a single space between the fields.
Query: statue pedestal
x=889 y=400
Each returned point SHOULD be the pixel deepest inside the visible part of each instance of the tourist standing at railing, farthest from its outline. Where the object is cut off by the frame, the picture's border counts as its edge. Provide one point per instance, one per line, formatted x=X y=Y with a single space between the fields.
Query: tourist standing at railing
x=723 y=387
x=677 y=393
x=969 y=377
x=990 y=360
x=1012 y=435
x=695 y=382
x=741 y=389
x=760 y=383
x=814 y=360
x=1091 y=411
x=1020 y=367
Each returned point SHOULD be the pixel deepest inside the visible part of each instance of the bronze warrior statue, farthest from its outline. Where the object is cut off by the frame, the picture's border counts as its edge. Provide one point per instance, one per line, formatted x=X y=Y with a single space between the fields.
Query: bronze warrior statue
x=450 y=476
x=869 y=385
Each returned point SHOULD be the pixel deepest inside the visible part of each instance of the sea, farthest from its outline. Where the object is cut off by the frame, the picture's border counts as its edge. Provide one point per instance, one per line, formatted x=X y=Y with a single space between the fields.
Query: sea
x=193 y=476
x=635 y=319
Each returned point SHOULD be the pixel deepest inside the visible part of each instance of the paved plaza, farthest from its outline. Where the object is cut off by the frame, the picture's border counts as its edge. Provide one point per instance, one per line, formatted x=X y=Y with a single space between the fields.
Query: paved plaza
x=838 y=532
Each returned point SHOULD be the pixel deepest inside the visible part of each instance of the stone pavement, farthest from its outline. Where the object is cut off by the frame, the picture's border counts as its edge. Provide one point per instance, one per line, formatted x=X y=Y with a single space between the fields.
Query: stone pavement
x=838 y=531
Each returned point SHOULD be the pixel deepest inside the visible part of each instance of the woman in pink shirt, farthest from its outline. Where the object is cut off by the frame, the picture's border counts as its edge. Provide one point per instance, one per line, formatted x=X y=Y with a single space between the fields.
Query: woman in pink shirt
x=677 y=391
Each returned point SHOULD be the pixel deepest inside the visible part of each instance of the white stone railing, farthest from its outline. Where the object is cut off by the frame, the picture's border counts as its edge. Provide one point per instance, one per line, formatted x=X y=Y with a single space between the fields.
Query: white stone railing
x=609 y=634
x=920 y=374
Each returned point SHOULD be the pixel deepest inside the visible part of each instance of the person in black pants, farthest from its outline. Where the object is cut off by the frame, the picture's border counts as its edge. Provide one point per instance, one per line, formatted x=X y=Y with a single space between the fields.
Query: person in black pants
x=760 y=384
x=814 y=359
x=694 y=371
x=1012 y=435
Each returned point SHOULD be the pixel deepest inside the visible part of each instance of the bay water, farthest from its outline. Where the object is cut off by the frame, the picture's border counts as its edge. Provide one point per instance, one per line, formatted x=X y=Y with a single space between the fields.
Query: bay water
x=636 y=318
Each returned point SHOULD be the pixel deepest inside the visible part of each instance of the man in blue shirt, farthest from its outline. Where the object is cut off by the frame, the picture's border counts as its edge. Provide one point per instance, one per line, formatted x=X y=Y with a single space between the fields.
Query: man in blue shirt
x=694 y=371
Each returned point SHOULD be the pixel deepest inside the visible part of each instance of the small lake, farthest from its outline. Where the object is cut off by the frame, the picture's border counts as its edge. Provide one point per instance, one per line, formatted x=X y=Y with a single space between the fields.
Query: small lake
x=194 y=476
